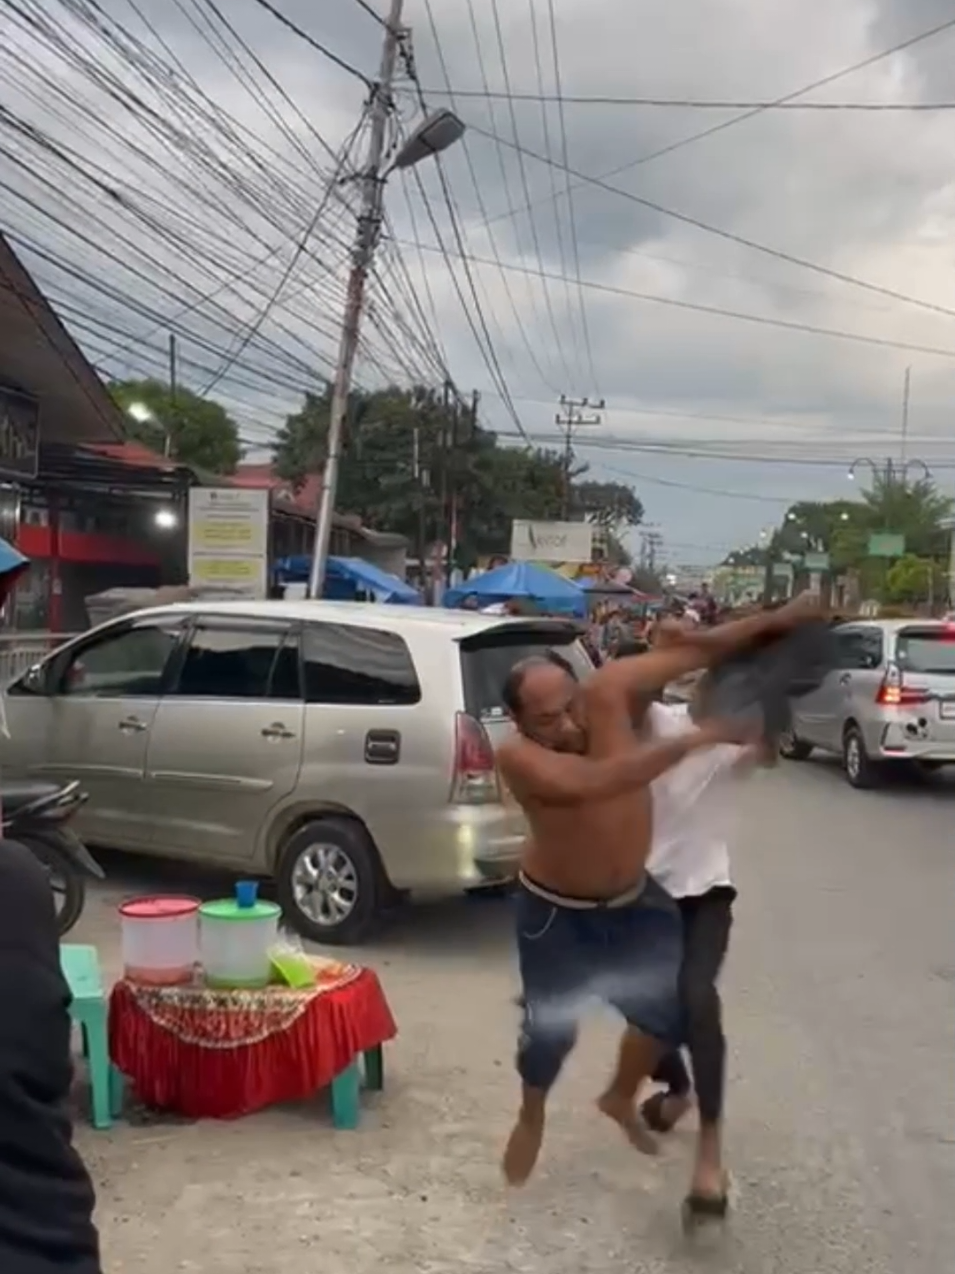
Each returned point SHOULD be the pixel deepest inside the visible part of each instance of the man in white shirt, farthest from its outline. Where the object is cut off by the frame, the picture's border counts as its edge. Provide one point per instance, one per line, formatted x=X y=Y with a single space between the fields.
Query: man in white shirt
x=690 y=858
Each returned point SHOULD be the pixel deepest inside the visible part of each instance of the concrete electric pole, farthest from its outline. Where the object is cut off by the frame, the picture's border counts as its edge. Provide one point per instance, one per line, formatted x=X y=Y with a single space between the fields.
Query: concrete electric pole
x=569 y=419
x=366 y=239
x=436 y=133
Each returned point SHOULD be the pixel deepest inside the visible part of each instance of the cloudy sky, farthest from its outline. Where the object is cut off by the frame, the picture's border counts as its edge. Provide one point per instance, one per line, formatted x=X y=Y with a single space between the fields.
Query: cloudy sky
x=781 y=411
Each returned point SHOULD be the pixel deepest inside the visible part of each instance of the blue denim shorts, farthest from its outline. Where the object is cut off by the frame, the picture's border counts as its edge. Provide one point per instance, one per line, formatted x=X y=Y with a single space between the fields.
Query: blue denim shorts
x=626 y=956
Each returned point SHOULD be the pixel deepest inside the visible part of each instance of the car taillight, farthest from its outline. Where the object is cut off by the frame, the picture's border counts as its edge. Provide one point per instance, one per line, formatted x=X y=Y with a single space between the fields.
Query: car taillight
x=894 y=693
x=475 y=780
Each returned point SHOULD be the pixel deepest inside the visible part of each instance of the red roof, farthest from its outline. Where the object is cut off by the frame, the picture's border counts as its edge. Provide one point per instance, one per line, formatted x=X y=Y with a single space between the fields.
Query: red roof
x=135 y=454
x=304 y=499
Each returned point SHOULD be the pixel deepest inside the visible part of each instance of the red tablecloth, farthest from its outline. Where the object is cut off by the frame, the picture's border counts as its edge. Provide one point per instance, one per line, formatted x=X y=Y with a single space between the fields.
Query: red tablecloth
x=207 y=1053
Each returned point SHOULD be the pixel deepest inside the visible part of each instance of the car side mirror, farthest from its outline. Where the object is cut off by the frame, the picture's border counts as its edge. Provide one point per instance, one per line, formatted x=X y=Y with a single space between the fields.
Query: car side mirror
x=34 y=680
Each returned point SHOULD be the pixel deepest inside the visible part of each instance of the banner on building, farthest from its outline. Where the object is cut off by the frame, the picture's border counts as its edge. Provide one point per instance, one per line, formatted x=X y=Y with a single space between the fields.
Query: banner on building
x=551 y=541
x=19 y=434
x=229 y=540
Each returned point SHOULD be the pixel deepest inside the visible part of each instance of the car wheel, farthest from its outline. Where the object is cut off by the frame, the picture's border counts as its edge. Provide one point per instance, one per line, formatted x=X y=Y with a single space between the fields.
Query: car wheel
x=861 y=772
x=330 y=882
x=793 y=748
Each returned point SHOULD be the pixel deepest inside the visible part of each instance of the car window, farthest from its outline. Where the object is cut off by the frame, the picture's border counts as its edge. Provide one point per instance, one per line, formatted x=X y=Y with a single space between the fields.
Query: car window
x=239 y=663
x=928 y=651
x=127 y=664
x=487 y=660
x=859 y=648
x=343 y=664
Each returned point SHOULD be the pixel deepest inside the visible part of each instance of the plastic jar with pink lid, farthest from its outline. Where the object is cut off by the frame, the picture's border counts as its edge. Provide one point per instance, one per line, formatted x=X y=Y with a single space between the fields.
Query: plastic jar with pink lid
x=160 y=940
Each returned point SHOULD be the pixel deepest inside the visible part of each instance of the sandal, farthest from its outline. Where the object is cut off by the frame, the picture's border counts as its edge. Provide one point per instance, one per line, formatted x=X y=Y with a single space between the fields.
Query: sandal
x=652 y=1112
x=698 y=1209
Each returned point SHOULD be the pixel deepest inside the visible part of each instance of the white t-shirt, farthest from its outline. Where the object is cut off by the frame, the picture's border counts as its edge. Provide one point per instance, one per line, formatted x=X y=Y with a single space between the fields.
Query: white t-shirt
x=689 y=854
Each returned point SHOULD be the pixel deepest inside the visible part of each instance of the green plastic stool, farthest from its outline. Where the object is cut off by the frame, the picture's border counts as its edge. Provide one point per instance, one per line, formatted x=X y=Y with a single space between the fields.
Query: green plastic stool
x=80 y=967
x=347 y=1085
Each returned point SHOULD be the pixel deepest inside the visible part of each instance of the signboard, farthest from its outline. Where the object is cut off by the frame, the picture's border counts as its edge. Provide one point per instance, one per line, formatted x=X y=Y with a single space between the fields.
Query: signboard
x=816 y=562
x=19 y=434
x=229 y=540
x=551 y=542
x=886 y=544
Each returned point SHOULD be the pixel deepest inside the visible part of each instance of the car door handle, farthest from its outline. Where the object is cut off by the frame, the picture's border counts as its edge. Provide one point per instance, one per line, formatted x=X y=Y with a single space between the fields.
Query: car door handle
x=383 y=747
x=277 y=731
x=845 y=679
x=131 y=725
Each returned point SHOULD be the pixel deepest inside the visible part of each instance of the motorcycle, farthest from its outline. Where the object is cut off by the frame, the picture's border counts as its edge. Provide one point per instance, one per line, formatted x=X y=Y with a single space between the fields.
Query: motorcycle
x=36 y=814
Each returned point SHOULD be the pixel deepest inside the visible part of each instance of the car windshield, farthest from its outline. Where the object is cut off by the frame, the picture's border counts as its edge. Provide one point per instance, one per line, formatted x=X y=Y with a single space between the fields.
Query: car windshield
x=486 y=660
x=931 y=651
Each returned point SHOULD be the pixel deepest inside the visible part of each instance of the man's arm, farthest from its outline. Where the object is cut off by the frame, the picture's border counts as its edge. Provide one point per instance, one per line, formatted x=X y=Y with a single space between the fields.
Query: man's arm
x=534 y=773
x=690 y=651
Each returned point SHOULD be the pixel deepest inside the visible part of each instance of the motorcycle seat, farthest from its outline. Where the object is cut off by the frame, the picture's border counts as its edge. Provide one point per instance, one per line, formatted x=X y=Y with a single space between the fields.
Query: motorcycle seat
x=17 y=795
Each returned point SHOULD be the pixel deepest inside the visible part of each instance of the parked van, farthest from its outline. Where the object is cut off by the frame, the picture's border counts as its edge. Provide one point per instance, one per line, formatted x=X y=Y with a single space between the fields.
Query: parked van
x=347 y=750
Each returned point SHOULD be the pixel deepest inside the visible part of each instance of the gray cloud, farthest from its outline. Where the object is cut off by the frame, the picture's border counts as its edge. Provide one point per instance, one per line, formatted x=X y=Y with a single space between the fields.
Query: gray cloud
x=864 y=194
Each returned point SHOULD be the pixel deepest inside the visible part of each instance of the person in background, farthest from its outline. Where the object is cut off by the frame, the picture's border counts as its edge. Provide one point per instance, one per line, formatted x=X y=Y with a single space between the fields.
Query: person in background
x=46 y=1196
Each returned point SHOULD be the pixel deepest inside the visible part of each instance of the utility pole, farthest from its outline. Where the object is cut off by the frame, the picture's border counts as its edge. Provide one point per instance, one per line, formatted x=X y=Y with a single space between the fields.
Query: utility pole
x=173 y=396
x=906 y=387
x=457 y=503
x=569 y=419
x=366 y=239
x=421 y=485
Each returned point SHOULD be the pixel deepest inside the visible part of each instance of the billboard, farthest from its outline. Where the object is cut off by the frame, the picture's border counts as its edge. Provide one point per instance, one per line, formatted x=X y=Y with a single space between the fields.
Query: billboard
x=229 y=540
x=551 y=542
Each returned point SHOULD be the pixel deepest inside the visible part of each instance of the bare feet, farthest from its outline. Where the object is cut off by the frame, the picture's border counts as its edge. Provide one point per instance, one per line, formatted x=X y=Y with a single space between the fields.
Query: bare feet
x=523 y=1147
x=623 y=1111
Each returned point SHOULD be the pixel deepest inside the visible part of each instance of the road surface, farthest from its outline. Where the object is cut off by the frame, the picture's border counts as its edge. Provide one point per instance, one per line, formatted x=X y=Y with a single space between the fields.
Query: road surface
x=841 y=1012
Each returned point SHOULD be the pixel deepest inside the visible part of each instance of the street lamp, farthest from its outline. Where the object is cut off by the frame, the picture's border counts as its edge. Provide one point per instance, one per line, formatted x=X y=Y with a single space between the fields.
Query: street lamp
x=439 y=131
x=887 y=474
x=144 y=415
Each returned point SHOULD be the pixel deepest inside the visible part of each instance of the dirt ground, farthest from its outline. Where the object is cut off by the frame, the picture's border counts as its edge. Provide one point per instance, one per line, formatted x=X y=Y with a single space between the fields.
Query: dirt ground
x=417 y=1187
x=840 y=1106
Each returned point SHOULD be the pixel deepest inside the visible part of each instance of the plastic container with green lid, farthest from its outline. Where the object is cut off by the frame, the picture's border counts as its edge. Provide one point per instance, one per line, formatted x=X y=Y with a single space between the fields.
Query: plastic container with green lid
x=235 y=940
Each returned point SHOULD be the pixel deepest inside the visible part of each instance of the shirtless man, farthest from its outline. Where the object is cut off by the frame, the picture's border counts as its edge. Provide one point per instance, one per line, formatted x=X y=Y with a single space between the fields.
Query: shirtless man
x=590 y=921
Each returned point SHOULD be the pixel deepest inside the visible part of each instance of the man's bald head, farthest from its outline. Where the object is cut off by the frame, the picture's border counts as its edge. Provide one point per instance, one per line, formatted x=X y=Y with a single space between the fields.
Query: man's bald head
x=543 y=696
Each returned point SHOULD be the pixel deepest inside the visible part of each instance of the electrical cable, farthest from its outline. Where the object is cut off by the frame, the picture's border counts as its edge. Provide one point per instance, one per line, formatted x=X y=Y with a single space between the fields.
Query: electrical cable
x=315 y=44
x=790 y=325
x=729 y=235
x=565 y=157
x=482 y=208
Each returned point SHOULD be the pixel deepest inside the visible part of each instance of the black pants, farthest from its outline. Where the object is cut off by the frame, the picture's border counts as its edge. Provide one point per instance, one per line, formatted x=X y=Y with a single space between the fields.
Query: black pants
x=707 y=920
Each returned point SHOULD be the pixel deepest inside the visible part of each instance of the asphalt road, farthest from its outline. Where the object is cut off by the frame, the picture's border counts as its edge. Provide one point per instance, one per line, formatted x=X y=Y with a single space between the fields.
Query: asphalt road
x=841 y=1014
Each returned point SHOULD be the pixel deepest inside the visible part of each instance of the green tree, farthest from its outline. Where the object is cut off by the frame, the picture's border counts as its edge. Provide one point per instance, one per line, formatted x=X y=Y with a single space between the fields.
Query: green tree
x=913 y=579
x=403 y=450
x=201 y=432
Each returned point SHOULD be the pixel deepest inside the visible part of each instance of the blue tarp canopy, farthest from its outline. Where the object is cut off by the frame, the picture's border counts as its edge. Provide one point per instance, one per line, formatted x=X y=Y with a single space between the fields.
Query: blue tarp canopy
x=12 y=565
x=345 y=577
x=522 y=579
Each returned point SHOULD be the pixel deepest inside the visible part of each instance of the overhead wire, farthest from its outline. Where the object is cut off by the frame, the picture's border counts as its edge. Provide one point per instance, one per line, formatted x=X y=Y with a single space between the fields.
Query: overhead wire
x=314 y=43
x=728 y=235
x=720 y=311
x=758 y=108
x=823 y=82
x=482 y=208
x=690 y=103
x=522 y=170
x=540 y=318
x=571 y=210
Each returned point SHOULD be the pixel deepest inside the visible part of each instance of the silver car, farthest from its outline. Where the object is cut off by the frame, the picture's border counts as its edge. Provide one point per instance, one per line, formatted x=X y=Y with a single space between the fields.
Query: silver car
x=891 y=699
x=345 y=749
